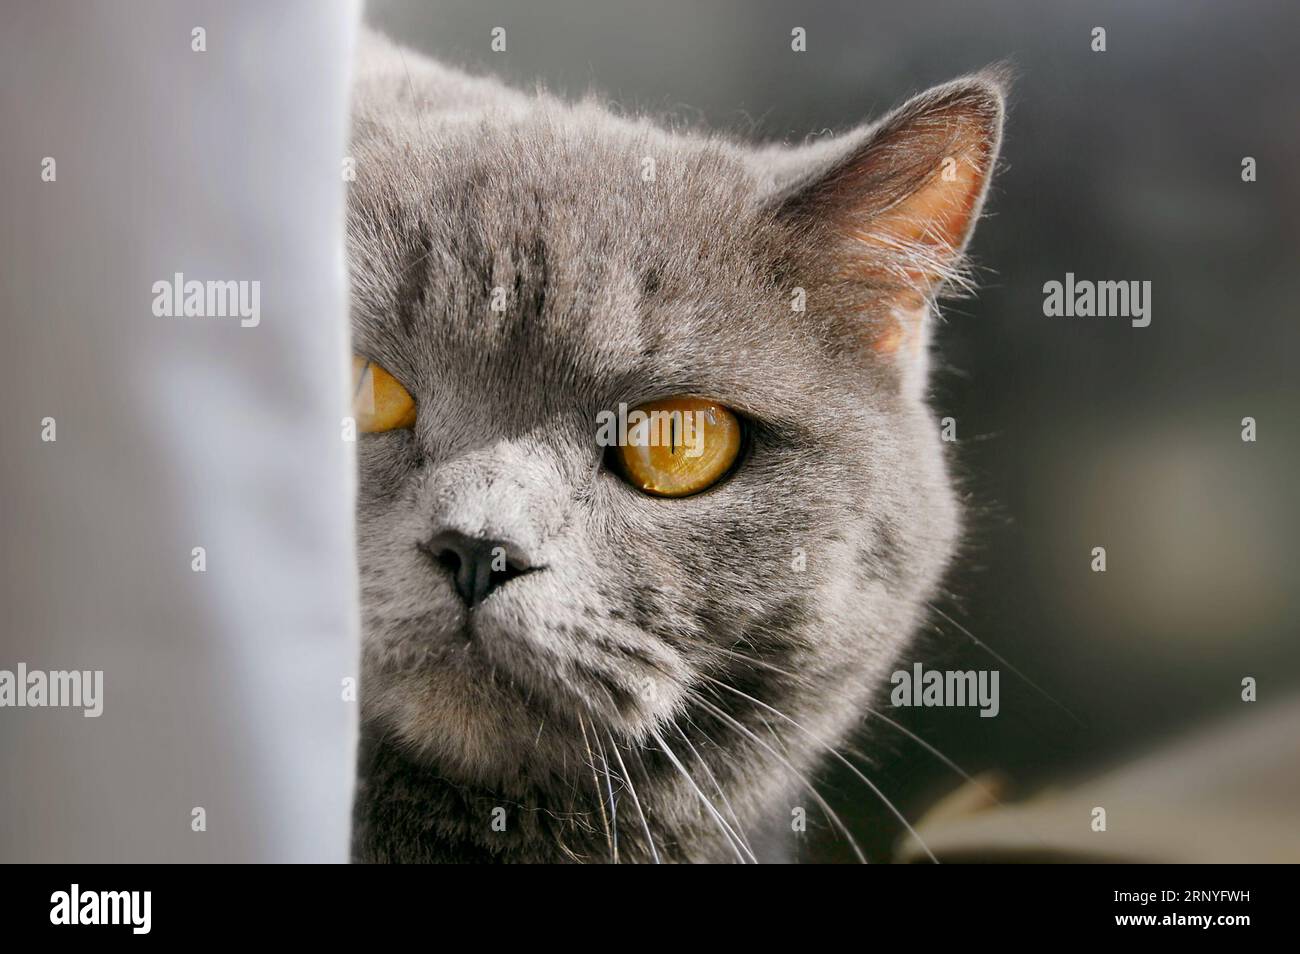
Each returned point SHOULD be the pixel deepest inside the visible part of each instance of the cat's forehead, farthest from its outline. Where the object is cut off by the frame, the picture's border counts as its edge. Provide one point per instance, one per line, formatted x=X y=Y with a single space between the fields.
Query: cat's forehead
x=611 y=248
x=601 y=196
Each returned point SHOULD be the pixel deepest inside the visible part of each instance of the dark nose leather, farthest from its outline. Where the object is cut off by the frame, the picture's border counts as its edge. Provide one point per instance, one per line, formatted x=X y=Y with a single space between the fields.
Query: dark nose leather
x=477 y=565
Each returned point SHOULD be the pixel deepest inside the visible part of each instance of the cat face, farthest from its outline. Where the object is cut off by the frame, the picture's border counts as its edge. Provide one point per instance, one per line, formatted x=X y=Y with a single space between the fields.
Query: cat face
x=521 y=272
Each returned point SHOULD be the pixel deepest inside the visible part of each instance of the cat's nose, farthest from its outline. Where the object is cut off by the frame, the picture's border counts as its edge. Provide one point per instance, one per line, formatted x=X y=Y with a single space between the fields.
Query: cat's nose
x=477 y=565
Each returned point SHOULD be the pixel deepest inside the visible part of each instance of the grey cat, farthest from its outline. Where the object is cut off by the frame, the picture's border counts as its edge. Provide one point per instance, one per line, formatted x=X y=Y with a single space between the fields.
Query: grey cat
x=638 y=678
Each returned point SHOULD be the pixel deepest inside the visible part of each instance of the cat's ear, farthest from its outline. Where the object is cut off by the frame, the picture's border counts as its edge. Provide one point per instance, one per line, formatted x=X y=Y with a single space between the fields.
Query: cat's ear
x=891 y=206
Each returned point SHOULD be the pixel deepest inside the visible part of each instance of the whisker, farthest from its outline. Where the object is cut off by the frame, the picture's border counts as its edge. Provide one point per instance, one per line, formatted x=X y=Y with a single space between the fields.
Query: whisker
x=929 y=748
x=835 y=753
x=949 y=763
x=812 y=789
x=600 y=799
x=722 y=822
x=879 y=715
x=636 y=802
x=713 y=779
x=613 y=802
x=1037 y=688
x=952 y=765
x=758 y=662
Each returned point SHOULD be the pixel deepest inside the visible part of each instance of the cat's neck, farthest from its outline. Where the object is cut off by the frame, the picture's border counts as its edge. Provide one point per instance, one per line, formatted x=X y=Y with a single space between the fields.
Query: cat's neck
x=408 y=812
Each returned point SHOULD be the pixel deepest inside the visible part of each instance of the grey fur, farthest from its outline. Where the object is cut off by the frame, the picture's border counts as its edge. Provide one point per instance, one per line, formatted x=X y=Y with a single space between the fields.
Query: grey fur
x=620 y=289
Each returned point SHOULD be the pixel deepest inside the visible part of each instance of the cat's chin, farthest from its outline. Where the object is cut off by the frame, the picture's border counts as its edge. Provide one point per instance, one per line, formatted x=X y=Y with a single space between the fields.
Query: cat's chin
x=490 y=738
x=477 y=721
x=506 y=689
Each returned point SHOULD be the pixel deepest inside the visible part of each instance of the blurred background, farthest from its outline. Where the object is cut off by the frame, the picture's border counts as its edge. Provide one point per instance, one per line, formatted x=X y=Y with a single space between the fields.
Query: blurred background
x=1122 y=165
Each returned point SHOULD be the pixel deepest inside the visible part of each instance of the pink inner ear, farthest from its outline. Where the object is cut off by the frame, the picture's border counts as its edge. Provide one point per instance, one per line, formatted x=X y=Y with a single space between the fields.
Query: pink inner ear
x=922 y=237
x=937 y=216
x=917 y=242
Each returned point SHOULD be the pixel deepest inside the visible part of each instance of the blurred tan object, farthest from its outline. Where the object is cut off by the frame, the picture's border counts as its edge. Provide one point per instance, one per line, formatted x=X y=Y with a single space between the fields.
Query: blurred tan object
x=1228 y=793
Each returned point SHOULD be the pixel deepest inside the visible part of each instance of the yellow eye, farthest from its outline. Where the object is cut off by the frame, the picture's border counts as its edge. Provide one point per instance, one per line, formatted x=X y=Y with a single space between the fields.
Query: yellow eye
x=379 y=403
x=677 y=447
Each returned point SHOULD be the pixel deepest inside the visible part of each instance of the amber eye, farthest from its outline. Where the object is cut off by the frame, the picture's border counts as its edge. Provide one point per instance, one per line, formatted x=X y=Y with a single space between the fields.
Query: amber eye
x=379 y=403
x=676 y=447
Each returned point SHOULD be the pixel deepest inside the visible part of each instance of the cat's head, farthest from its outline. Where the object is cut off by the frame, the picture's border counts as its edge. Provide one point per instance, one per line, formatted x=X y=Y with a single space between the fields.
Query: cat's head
x=522 y=272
